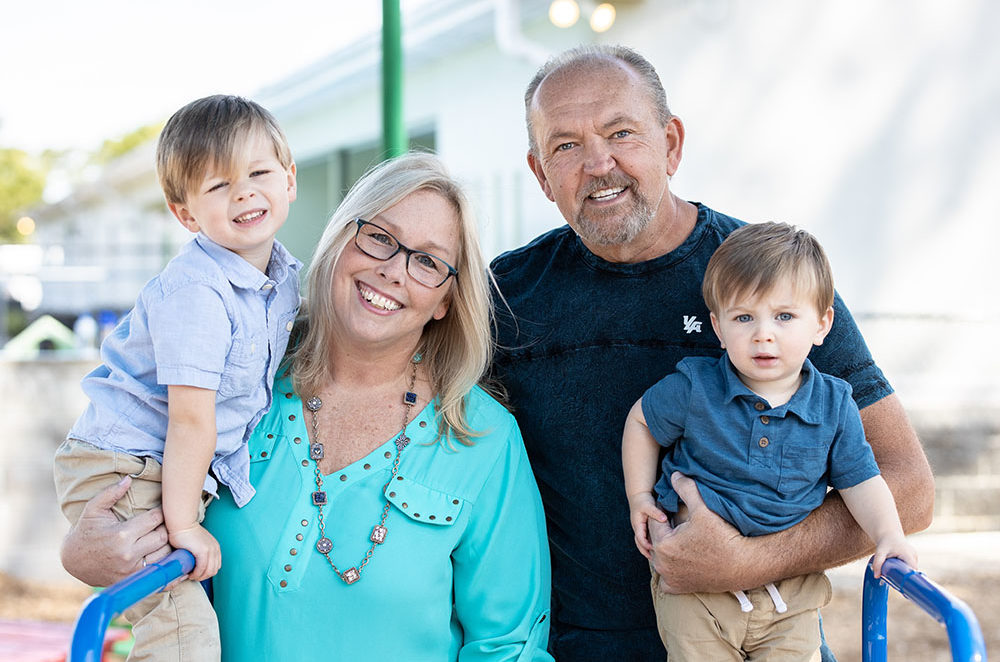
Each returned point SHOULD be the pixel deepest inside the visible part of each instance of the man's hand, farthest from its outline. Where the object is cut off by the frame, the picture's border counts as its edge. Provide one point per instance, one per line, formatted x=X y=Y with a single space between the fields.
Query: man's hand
x=100 y=550
x=704 y=553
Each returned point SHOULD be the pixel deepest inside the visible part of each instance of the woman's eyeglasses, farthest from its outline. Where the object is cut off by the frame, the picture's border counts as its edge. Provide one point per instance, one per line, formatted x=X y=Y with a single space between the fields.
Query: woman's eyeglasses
x=379 y=243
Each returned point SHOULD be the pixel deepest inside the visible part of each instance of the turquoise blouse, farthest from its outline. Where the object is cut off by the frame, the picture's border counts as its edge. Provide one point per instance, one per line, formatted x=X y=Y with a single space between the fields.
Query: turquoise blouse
x=463 y=573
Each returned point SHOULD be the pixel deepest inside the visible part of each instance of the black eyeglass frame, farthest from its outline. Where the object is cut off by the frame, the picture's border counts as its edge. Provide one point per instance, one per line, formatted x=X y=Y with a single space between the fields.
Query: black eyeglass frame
x=452 y=271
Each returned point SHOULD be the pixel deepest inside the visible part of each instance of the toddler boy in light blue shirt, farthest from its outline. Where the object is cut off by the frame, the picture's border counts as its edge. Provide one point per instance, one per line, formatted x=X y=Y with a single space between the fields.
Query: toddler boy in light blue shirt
x=187 y=373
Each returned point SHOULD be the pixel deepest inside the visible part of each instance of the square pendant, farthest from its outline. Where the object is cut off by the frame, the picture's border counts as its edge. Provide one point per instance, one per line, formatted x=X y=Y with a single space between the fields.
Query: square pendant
x=316 y=451
x=378 y=534
x=410 y=398
x=319 y=498
x=351 y=575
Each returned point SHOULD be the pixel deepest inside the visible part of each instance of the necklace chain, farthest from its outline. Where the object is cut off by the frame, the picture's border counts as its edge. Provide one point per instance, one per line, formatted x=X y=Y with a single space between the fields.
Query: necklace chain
x=324 y=545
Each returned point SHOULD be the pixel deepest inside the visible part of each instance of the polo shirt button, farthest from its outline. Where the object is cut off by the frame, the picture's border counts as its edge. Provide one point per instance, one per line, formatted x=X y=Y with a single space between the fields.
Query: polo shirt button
x=267 y=286
x=759 y=406
x=764 y=441
x=288 y=327
x=765 y=420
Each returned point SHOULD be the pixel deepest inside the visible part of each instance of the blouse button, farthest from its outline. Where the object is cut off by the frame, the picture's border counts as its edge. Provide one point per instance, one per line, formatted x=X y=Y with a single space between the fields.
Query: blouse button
x=343 y=477
x=291 y=417
x=288 y=327
x=270 y=436
x=288 y=568
x=423 y=424
x=392 y=494
x=289 y=395
x=367 y=466
x=298 y=536
x=297 y=440
x=765 y=420
x=263 y=453
x=293 y=551
x=283 y=583
x=305 y=463
x=759 y=406
x=388 y=455
x=405 y=505
x=455 y=501
x=305 y=522
x=432 y=517
x=764 y=441
x=448 y=518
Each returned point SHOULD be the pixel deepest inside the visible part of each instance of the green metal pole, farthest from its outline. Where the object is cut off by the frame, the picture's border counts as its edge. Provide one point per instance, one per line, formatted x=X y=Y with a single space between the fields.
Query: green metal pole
x=394 y=139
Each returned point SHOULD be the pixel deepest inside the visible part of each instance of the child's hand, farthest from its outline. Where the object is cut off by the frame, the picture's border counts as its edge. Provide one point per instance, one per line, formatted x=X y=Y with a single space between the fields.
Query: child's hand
x=204 y=547
x=895 y=546
x=641 y=508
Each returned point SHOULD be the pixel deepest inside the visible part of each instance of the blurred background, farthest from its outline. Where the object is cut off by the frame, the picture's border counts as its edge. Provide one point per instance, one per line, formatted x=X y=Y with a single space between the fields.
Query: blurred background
x=874 y=125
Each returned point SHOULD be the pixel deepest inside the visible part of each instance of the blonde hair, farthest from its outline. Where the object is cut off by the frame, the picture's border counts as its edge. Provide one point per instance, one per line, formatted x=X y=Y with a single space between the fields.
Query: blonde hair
x=456 y=349
x=754 y=258
x=211 y=132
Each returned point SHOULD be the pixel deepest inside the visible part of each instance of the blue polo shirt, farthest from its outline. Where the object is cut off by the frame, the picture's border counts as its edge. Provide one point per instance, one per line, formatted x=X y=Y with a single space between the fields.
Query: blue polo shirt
x=760 y=468
x=212 y=320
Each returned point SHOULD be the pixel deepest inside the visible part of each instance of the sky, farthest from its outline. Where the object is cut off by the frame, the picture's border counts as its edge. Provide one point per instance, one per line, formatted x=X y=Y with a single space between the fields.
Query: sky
x=76 y=73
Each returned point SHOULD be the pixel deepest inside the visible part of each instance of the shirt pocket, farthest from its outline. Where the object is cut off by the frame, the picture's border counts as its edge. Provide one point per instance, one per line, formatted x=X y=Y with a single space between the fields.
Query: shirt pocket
x=244 y=367
x=802 y=467
x=423 y=504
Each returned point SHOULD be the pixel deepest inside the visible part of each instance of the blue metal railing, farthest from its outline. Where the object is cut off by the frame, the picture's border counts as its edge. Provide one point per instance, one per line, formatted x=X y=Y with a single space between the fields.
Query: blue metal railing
x=964 y=635
x=100 y=608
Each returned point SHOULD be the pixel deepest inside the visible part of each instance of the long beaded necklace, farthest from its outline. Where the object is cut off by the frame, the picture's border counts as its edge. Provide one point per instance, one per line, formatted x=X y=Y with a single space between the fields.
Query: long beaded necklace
x=324 y=545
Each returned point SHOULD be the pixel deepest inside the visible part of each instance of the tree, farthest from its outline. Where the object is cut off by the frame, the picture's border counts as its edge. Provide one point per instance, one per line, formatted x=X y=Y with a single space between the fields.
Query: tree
x=22 y=180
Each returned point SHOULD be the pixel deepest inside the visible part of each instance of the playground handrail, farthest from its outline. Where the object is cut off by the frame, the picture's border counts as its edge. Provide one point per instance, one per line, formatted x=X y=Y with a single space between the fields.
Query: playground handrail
x=964 y=635
x=100 y=608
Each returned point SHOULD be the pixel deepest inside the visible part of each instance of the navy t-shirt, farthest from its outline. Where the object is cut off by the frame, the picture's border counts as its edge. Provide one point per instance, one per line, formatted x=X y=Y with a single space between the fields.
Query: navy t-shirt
x=581 y=341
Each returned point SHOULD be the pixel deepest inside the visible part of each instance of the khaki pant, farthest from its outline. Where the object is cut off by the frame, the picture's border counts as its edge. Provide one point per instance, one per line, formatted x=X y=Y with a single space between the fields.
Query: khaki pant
x=174 y=626
x=711 y=626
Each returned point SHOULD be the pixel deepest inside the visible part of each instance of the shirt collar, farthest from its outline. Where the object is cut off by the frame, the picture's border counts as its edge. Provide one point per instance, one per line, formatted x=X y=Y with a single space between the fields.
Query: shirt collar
x=802 y=404
x=243 y=274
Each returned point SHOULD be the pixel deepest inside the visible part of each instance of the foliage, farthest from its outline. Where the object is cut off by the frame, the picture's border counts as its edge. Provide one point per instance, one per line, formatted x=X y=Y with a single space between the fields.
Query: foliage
x=113 y=148
x=22 y=180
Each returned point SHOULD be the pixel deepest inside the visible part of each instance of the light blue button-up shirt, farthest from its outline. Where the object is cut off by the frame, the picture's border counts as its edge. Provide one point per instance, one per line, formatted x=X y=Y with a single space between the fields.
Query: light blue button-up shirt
x=210 y=320
x=760 y=468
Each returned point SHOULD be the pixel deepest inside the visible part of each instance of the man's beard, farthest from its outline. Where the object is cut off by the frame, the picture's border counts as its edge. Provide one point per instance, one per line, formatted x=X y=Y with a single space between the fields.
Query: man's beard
x=602 y=228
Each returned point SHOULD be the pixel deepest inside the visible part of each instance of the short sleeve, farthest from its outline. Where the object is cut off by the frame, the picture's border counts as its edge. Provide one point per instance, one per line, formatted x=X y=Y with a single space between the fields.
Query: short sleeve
x=665 y=407
x=191 y=333
x=851 y=457
x=502 y=577
x=845 y=354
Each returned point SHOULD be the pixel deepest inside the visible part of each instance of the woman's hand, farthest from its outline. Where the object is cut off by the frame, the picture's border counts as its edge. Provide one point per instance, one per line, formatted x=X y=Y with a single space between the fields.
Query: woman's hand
x=99 y=549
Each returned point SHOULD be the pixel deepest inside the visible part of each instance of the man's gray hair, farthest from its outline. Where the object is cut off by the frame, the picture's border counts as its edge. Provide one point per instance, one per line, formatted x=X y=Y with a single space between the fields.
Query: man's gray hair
x=590 y=54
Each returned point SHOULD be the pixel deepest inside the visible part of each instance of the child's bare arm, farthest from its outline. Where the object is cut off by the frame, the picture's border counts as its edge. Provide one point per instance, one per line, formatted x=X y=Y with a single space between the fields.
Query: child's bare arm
x=189 y=448
x=872 y=506
x=640 y=462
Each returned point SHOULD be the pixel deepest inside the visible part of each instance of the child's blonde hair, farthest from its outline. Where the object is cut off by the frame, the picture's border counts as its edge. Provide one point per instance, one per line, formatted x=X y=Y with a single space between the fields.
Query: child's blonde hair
x=754 y=258
x=211 y=133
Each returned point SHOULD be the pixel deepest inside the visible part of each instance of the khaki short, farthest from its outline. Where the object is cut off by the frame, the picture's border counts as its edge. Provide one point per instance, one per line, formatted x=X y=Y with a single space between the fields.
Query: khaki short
x=179 y=625
x=711 y=626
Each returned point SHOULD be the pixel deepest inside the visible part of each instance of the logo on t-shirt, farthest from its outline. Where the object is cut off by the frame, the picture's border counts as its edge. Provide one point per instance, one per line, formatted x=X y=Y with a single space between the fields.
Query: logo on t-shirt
x=691 y=324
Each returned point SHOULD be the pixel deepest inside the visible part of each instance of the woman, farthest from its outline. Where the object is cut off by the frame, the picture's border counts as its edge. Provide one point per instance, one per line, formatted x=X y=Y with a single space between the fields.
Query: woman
x=396 y=515
x=399 y=445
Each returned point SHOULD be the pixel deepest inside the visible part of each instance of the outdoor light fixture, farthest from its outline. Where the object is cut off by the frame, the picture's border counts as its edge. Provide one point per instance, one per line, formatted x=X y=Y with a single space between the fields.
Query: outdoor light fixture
x=564 y=13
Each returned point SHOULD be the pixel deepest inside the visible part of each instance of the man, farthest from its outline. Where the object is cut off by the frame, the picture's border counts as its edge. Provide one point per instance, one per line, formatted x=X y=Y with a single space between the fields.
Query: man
x=594 y=313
